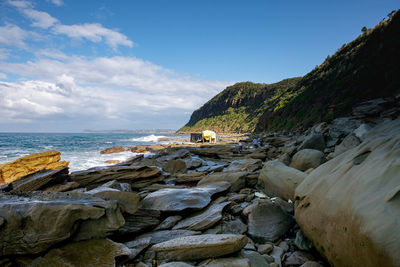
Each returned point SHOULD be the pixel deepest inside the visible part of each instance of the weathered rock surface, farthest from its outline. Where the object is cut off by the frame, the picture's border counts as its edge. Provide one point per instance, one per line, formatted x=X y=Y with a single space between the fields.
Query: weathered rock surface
x=267 y=221
x=100 y=252
x=190 y=177
x=139 y=222
x=165 y=235
x=307 y=158
x=40 y=180
x=169 y=222
x=203 y=219
x=348 y=142
x=244 y=165
x=49 y=160
x=229 y=262
x=280 y=180
x=128 y=201
x=197 y=247
x=112 y=150
x=36 y=221
x=100 y=175
x=351 y=205
x=233 y=227
x=236 y=179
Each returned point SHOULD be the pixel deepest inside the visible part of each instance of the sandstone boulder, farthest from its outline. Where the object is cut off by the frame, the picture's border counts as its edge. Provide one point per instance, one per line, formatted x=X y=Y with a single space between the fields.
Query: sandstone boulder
x=237 y=180
x=350 y=207
x=307 y=158
x=280 y=180
x=49 y=160
x=314 y=141
x=197 y=247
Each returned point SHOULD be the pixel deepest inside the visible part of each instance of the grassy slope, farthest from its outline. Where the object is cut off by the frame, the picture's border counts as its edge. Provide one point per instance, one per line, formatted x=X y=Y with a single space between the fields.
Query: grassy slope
x=366 y=68
x=239 y=107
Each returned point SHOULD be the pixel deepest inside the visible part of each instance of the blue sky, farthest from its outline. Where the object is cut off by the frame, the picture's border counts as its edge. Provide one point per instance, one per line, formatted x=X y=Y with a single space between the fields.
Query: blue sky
x=66 y=66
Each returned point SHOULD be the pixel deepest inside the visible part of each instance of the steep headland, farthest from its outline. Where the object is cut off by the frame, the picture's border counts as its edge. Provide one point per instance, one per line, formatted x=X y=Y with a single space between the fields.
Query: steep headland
x=363 y=69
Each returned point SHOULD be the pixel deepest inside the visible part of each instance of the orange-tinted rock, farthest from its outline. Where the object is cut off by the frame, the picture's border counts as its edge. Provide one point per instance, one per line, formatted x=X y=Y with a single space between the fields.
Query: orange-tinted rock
x=112 y=150
x=49 y=160
x=112 y=161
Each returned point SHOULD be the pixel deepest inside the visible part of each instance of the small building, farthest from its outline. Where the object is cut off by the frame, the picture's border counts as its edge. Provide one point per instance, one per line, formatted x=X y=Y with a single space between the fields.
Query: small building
x=204 y=136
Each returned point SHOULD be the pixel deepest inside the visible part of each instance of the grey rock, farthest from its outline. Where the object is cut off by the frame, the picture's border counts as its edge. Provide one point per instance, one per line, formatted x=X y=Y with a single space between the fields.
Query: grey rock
x=137 y=246
x=255 y=258
x=119 y=186
x=142 y=220
x=41 y=179
x=175 y=264
x=314 y=141
x=362 y=131
x=203 y=219
x=169 y=222
x=237 y=180
x=244 y=165
x=267 y=222
x=229 y=262
x=302 y=241
x=196 y=247
x=233 y=227
x=53 y=218
x=349 y=142
x=277 y=254
x=128 y=201
x=165 y=235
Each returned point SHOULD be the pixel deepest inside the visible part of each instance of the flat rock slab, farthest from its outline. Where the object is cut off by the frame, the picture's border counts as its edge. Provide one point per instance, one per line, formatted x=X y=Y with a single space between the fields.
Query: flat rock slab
x=267 y=221
x=35 y=221
x=197 y=247
x=165 y=235
x=237 y=180
x=203 y=219
x=141 y=221
x=100 y=175
x=128 y=201
x=175 y=200
x=100 y=252
x=229 y=262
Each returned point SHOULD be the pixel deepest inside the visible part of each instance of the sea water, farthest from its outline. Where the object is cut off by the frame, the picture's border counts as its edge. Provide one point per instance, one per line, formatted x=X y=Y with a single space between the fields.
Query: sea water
x=82 y=150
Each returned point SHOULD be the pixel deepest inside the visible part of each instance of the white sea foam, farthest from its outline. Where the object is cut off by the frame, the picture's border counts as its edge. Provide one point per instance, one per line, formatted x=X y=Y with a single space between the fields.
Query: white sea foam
x=149 y=138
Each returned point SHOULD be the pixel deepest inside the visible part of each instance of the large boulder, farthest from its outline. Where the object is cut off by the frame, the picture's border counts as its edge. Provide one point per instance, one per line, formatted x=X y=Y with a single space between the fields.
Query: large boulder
x=314 y=141
x=197 y=247
x=350 y=206
x=36 y=221
x=267 y=222
x=307 y=158
x=100 y=252
x=280 y=180
x=348 y=142
x=49 y=160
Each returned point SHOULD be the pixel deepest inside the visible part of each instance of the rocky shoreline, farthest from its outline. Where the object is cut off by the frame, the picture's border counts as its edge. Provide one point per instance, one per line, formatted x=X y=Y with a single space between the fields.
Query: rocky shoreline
x=328 y=195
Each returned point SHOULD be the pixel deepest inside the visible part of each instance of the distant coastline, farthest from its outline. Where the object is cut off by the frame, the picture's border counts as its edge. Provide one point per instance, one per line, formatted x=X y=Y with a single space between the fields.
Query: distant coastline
x=154 y=131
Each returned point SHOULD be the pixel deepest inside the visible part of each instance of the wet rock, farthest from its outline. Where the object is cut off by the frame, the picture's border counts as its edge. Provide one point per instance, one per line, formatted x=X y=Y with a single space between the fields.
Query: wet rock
x=307 y=158
x=357 y=190
x=169 y=222
x=313 y=141
x=99 y=175
x=237 y=180
x=80 y=216
x=40 y=180
x=229 y=262
x=203 y=219
x=197 y=247
x=267 y=221
x=112 y=150
x=280 y=180
x=100 y=252
x=49 y=160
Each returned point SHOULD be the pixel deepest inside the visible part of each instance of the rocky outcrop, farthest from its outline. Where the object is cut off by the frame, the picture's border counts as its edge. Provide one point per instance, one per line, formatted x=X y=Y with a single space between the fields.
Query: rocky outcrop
x=112 y=150
x=280 y=180
x=349 y=207
x=36 y=221
x=49 y=160
x=307 y=158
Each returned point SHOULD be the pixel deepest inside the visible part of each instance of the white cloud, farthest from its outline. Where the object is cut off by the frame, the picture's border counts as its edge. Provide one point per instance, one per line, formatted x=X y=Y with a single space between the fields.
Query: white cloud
x=3 y=76
x=94 y=32
x=40 y=19
x=20 y=3
x=13 y=36
x=56 y=2
x=51 y=53
x=118 y=88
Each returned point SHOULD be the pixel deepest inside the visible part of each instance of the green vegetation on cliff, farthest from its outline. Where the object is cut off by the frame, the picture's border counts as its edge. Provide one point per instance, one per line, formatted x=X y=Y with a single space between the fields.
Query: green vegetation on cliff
x=363 y=69
x=238 y=108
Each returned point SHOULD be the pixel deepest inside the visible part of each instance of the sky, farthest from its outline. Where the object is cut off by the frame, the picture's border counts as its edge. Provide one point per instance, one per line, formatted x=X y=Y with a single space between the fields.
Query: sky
x=69 y=65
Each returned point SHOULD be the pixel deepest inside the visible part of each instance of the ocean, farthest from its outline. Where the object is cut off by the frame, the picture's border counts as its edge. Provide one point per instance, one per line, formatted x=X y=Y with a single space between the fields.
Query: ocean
x=82 y=150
